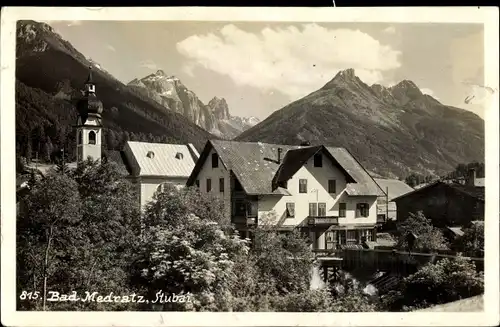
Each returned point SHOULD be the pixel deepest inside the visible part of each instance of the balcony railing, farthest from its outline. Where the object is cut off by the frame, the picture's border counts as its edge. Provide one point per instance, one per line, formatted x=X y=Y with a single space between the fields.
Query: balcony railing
x=322 y=220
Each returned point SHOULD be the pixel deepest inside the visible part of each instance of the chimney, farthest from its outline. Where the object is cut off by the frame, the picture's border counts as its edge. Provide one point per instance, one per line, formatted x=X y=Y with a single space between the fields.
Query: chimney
x=279 y=155
x=471 y=180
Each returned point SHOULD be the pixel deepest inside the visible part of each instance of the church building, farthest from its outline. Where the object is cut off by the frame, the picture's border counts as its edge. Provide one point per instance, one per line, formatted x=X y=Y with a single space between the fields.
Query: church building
x=149 y=166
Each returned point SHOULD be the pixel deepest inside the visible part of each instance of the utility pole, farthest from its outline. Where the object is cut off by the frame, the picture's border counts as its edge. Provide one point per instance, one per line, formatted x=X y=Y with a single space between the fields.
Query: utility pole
x=387 y=203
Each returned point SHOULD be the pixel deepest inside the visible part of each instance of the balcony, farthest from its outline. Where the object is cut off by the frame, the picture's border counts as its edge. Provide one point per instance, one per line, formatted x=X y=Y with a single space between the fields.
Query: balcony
x=323 y=220
x=244 y=211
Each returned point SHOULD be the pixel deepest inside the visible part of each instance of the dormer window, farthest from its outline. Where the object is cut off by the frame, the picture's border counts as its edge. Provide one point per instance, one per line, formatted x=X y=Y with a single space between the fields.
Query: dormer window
x=318 y=160
x=179 y=156
x=150 y=154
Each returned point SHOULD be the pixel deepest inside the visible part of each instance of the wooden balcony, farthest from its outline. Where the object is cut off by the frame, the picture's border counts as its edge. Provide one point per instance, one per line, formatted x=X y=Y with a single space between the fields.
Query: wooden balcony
x=322 y=220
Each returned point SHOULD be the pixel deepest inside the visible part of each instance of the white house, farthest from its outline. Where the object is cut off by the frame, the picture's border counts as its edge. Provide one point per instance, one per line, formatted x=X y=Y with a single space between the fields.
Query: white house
x=323 y=191
x=152 y=165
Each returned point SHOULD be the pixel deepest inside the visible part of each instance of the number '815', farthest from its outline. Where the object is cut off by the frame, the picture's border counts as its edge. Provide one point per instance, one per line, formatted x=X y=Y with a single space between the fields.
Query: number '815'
x=29 y=295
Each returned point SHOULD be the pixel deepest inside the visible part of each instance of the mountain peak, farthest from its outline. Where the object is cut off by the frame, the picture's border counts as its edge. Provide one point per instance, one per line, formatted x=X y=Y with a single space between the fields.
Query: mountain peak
x=348 y=73
x=405 y=91
x=406 y=85
x=343 y=78
x=160 y=72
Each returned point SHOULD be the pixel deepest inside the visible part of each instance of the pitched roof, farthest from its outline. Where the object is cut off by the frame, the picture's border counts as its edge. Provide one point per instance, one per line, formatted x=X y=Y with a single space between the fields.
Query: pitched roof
x=158 y=159
x=296 y=158
x=365 y=185
x=395 y=187
x=474 y=191
x=255 y=165
x=456 y=230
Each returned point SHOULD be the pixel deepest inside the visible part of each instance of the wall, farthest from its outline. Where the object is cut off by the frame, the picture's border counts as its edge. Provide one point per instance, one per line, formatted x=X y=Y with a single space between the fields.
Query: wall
x=214 y=174
x=149 y=186
x=85 y=149
x=443 y=205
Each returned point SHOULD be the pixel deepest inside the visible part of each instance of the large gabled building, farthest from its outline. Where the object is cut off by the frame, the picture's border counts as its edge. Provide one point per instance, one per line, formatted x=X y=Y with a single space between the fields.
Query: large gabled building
x=323 y=191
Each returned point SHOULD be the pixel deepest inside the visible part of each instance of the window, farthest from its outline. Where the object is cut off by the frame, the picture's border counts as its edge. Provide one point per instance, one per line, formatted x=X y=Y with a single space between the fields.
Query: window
x=318 y=160
x=209 y=184
x=313 y=209
x=80 y=137
x=331 y=240
x=92 y=137
x=240 y=208
x=252 y=209
x=342 y=236
x=322 y=209
x=163 y=187
x=290 y=210
x=351 y=237
x=302 y=185
x=369 y=235
x=215 y=160
x=362 y=210
x=221 y=185
x=197 y=183
x=150 y=154
x=342 y=210
x=179 y=156
x=332 y=186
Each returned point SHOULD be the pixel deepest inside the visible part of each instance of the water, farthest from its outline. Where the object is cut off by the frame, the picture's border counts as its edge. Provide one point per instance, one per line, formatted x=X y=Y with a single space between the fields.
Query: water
x=316 y=280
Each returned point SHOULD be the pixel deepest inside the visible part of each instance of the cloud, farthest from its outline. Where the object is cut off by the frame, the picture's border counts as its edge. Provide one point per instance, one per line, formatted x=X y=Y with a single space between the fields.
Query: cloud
x=66 y=22
x=390 y=30
x=149 y=64
x=430 y=92
x=110 y=48
x=292 y=60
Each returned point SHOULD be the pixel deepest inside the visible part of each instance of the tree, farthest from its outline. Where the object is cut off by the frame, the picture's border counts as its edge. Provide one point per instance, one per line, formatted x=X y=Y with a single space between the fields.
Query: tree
x=111 y=139
x=94 y=241
x=429 y=238
x=50 y=210
x=188 y=255
x=48 y=148
x=436 y=283
x=28 y=153
x=472 y=241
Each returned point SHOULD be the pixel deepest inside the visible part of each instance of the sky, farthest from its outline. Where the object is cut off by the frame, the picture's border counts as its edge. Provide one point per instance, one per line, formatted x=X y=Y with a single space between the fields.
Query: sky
x=260 y=67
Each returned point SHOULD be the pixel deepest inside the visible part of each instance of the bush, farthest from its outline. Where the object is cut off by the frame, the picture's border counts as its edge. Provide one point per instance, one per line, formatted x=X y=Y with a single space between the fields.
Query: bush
x=445 y=281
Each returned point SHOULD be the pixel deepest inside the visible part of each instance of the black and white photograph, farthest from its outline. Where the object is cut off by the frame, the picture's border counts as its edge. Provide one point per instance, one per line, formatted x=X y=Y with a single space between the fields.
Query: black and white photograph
x=175 y=162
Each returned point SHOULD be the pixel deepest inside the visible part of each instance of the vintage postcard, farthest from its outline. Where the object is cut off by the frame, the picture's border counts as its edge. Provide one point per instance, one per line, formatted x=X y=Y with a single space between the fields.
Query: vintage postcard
x=249 y=166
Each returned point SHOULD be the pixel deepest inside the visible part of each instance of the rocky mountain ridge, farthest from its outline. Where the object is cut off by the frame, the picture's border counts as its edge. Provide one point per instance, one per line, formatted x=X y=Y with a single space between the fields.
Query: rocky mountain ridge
x=393 y=131
x=172 y=94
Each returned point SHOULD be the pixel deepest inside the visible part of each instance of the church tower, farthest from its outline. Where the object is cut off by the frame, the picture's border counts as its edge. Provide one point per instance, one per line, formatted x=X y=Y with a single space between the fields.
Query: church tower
x=89 y=123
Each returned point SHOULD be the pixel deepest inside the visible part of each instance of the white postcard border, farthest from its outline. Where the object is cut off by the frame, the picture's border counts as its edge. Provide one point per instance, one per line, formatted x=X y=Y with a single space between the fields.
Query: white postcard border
x=485 y=15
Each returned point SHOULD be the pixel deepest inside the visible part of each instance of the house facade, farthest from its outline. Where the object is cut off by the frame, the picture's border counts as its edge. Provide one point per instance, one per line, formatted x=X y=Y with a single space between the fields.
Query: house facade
x=322 y=191
x=446 y=204
x=153 y=165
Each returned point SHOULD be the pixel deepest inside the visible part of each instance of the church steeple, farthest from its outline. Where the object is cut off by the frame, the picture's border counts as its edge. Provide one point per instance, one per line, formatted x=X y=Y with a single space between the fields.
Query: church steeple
x=89 y=83
x=89 y=124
